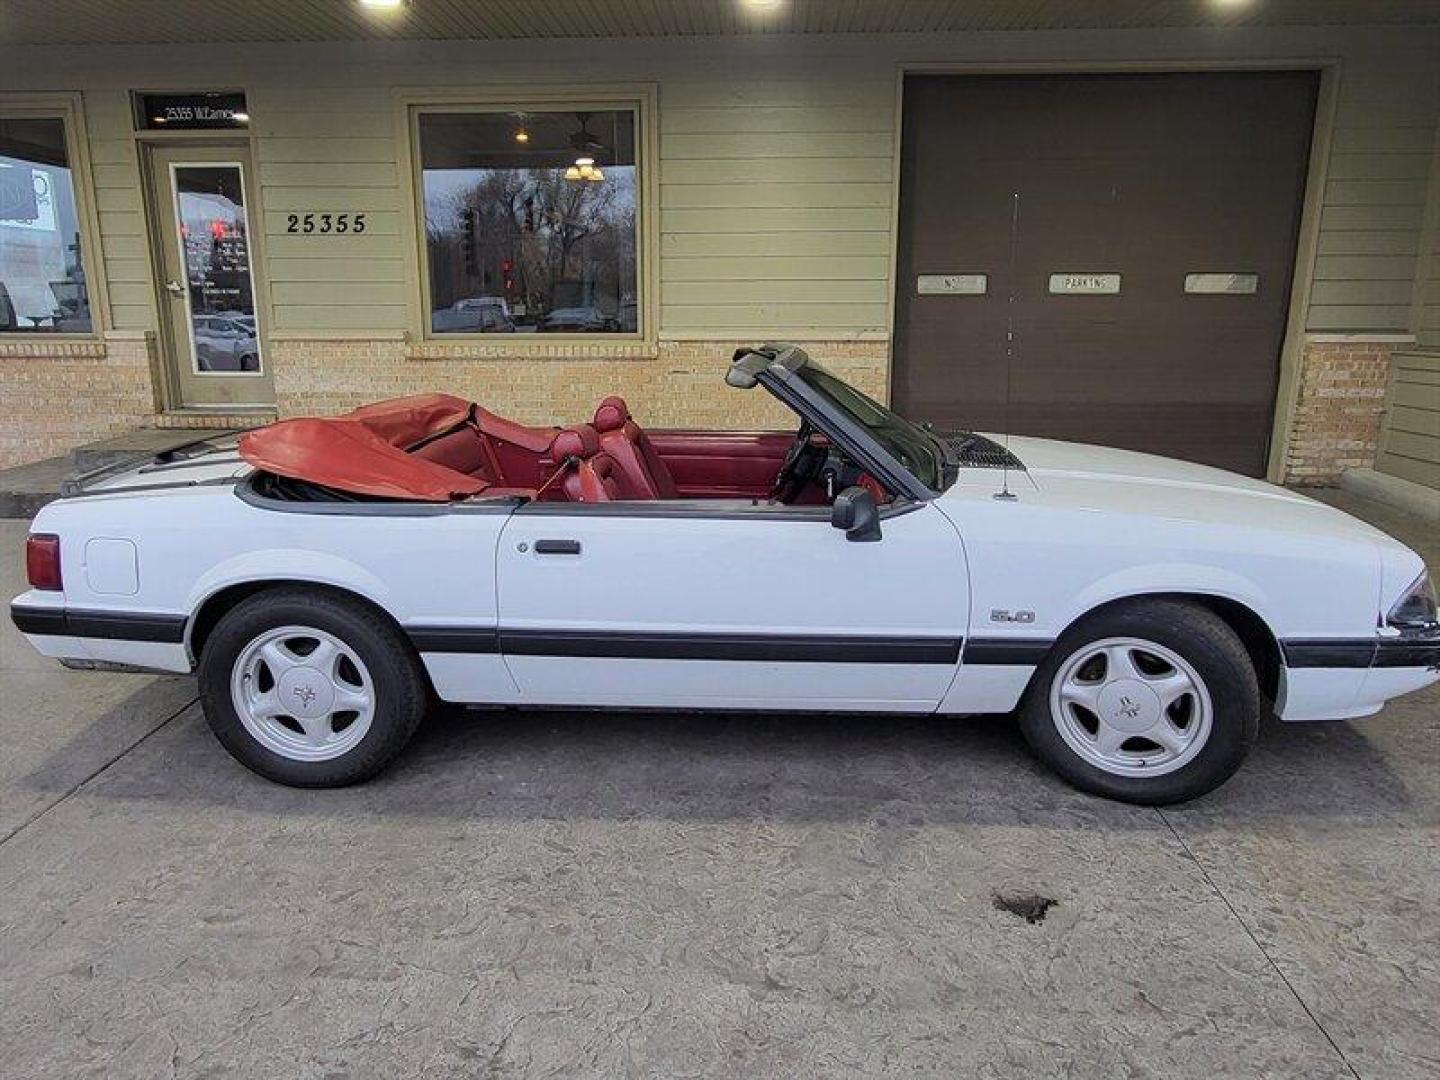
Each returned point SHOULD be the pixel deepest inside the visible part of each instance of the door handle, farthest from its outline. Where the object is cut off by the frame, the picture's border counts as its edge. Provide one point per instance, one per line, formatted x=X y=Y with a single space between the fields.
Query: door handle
x=557 y=547
x=174 y=288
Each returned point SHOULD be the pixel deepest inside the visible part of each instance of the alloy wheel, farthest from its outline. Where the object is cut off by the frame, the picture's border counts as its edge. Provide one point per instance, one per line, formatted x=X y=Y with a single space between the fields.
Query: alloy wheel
x=303 y=693
x=1131 y=707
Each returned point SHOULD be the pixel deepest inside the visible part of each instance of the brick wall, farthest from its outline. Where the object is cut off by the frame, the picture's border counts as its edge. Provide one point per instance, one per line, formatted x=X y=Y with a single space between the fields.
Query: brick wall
x=1337 y=412
x=56 y=396
x=680 y=384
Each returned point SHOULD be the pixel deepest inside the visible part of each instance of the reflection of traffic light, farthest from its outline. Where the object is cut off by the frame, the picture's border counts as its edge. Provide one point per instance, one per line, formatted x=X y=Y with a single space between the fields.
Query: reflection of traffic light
x=470 y=243
x=507 y=267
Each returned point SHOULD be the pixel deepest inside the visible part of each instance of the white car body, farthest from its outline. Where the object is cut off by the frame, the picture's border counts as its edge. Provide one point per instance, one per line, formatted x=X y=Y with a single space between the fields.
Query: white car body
x=734 y=604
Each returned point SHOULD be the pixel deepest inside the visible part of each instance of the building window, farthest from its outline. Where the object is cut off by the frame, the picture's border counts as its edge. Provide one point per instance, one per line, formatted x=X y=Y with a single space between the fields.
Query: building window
x=42 y=277
x=530 y=221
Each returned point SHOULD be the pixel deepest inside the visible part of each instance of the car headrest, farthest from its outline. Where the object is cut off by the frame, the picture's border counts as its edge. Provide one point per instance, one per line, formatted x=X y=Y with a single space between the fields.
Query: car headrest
x=611 y=414
x=579 y=441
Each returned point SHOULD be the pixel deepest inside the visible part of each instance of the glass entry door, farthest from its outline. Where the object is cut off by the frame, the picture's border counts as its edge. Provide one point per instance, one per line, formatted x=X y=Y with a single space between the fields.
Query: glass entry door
x=214 y=339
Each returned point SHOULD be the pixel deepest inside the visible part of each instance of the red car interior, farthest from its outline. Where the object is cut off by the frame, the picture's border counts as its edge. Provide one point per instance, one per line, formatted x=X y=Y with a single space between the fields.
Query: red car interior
x=493 y=447
x=643 y=473
x=722 y=464
x=436 y=447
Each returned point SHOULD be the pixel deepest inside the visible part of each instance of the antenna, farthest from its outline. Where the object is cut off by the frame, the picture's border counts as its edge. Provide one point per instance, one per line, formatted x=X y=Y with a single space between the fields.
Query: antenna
x=1005 y=492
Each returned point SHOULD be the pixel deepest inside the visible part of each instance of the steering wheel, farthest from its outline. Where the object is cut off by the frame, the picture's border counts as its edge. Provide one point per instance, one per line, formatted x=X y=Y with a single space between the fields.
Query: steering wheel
x=802 y=462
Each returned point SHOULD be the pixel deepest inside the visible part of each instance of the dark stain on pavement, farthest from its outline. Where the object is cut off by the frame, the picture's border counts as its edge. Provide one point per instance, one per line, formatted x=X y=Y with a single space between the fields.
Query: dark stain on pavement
x=1028 y=906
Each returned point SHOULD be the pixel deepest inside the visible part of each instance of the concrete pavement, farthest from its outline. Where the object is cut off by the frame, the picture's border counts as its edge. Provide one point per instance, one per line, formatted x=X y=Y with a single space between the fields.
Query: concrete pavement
x=677 y=895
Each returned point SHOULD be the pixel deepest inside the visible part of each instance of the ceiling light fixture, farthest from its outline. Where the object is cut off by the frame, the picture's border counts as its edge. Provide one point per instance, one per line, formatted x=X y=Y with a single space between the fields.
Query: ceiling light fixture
x=584 y=169
x=382 y=5
x=761 y=5
x=522 y=136
x=585 y=146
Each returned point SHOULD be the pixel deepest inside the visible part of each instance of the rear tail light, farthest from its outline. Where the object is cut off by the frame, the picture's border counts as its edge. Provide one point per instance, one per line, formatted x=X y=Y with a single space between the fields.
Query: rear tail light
x=42 y=561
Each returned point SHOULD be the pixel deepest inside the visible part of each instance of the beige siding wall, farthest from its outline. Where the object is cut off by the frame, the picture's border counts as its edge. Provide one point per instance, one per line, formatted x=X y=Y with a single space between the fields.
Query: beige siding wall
x=776 y=190
x=776 y=164
x=123 y=245
x=1427 y=279
x=1410 y=433
x=331 y=149
x=776 y=206
x=1375 y=193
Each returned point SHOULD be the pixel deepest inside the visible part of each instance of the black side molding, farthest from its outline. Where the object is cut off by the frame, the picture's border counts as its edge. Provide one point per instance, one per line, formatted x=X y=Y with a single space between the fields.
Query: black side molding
x=1329 y=652
x=778 y=648
x=1418 y=650
x=1421 y=651
x=111 y=625
x=1027 y=652
x=454 y=639
x=801 y=648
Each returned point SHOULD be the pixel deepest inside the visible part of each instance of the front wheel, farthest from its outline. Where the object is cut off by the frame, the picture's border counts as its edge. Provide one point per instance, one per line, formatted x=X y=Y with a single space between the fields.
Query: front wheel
x=310 y=689
x=1154 y=701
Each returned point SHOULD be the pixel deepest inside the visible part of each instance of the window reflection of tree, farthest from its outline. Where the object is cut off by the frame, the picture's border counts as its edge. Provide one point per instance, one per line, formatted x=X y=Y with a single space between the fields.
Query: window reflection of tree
x=553 y=231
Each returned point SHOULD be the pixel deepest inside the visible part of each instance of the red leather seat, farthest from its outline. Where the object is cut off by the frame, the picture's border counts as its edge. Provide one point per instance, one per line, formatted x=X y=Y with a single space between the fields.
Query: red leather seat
x=641 y=472
x=579 y=442
x=586 y=473
x=593 y=480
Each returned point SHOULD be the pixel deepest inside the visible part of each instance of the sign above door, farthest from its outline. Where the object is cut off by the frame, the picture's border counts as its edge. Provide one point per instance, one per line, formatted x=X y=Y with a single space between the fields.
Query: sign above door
x=208 y=110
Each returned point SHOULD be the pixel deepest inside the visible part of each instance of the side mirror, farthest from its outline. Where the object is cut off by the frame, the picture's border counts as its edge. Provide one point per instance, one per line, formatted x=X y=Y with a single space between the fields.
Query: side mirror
x=854 y=510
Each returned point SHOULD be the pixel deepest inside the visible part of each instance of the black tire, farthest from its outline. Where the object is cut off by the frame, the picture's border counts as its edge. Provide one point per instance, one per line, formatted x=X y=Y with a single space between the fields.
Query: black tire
x=400 y=686
x=248 y=362
x=1204 y=641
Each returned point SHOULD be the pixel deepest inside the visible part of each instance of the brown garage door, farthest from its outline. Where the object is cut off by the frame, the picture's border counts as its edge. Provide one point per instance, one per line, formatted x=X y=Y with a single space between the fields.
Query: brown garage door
x=1150 y=207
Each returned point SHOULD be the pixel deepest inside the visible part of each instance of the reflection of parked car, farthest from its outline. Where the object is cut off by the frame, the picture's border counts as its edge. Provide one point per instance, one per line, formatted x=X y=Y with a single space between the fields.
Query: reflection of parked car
x=226 y=343
x=577 y=320
x=474 y=315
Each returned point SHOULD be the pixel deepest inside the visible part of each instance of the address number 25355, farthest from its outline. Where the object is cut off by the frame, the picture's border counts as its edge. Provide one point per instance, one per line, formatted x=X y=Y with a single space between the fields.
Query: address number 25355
x=325 y=223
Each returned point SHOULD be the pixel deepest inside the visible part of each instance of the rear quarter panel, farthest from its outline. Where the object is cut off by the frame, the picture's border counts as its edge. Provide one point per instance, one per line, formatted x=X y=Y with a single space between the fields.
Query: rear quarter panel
x=192 y=543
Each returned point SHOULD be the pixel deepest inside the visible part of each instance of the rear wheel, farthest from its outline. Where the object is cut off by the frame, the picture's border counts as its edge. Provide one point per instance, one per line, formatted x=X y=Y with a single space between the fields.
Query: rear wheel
x=310 y=689
x=1154 y=701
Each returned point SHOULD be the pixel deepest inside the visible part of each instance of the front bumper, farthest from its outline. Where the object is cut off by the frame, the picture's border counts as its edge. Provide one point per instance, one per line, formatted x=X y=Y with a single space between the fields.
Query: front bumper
x=1329 y=679
x=1420 y=650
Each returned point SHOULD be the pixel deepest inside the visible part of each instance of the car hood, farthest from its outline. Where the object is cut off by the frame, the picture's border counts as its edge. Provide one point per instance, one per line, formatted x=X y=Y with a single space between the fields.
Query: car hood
x=1104 y=478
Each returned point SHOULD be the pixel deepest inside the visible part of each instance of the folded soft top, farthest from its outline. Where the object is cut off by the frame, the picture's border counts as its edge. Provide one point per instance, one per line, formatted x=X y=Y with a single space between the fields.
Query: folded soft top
x=366 y=451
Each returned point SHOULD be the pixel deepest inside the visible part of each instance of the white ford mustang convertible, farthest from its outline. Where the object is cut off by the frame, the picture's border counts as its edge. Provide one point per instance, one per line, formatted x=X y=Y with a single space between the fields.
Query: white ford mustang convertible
x=329 y=578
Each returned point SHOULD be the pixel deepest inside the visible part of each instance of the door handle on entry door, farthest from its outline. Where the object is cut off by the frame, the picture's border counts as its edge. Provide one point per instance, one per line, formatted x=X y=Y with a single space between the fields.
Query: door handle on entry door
x=174 y=288
x=557 y=547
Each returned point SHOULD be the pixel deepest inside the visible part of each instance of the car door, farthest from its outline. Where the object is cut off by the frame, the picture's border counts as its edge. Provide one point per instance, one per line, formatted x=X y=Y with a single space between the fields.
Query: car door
x=206 y=353
x=729 y=604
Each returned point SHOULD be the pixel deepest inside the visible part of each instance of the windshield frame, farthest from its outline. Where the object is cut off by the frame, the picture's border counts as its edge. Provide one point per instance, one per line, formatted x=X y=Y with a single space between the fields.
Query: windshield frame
x=779 y=367
x=918 y=451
